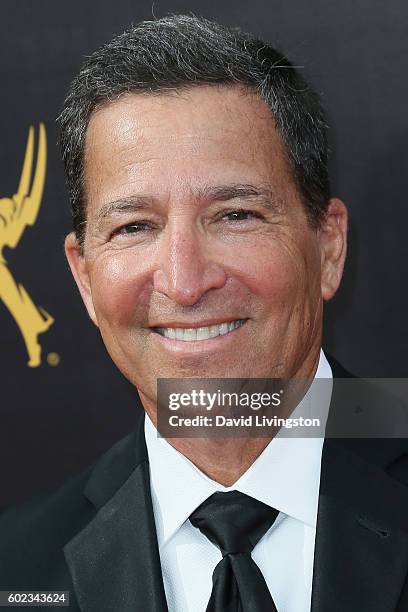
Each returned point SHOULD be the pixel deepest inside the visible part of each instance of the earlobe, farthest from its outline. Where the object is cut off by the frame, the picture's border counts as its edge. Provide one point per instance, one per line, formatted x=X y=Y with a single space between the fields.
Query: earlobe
x=79 y=269
x=333 y=245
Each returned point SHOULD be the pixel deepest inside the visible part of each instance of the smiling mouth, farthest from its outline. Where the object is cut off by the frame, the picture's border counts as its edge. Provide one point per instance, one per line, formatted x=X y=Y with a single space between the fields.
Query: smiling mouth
x=192 y=334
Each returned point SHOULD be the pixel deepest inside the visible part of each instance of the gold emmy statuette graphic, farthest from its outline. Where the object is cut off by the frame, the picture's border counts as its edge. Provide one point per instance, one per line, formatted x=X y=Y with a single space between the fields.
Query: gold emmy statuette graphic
x=15 y=214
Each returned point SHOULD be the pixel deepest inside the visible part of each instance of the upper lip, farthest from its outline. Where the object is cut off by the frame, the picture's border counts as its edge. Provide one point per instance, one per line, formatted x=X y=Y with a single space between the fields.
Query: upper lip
x=196 y=324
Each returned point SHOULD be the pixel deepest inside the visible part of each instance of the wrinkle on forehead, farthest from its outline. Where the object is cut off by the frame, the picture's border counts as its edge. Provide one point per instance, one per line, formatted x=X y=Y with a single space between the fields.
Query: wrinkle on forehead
x=140 y=116
x=204 y=131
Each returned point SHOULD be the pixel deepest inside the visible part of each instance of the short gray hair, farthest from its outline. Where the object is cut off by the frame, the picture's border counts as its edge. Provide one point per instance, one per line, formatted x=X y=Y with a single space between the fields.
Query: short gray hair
x=181 y=51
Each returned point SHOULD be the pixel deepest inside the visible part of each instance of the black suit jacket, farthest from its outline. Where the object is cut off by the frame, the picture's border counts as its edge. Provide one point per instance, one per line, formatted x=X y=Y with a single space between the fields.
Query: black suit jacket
x=96 y=537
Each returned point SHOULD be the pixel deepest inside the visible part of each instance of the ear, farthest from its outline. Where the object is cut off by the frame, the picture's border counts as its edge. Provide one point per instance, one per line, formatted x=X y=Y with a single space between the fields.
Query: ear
x=333 y=247
x=79 y=269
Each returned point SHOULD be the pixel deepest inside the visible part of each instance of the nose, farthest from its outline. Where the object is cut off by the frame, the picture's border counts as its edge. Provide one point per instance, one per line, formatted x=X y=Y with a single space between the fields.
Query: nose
x=186 y=269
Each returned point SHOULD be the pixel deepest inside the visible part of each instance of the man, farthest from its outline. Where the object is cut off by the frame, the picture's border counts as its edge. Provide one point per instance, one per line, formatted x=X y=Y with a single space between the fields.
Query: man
x=205 y=242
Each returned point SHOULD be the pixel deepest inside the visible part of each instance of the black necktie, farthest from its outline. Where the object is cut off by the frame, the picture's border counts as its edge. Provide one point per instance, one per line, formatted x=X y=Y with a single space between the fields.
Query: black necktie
x=235 y=522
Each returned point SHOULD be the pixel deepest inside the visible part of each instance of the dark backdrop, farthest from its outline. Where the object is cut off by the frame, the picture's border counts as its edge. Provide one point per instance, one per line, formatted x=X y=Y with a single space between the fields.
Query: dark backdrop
x=57 y=418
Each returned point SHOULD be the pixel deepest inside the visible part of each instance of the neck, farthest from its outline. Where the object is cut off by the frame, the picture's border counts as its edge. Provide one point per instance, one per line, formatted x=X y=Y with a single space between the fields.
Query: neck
x=221 y=459
x=224 y=460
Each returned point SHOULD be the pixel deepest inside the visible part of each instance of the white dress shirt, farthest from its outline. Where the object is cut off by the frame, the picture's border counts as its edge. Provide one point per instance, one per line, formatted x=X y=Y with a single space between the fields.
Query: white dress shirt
x=285 y=476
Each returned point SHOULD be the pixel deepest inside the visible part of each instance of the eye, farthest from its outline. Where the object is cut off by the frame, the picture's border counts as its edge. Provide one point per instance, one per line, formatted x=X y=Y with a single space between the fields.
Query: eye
x=131 y=228
x=240 y=215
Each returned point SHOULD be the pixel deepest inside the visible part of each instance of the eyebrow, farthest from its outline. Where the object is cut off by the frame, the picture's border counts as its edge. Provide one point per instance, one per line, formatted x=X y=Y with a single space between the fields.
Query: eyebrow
x=209 y=194
x=242 y=191
x=123 y=205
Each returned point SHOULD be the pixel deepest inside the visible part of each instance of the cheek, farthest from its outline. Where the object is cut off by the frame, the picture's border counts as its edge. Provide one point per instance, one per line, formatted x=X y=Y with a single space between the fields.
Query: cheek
x=279 y=273
x=119 y=290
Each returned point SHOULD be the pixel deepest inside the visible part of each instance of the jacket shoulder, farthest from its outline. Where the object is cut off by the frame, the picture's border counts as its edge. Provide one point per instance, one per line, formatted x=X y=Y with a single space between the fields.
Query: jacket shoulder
x=33 y=535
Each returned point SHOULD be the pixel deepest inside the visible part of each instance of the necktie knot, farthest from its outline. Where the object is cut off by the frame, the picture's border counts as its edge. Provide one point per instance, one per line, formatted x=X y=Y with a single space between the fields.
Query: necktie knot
x=233 y=521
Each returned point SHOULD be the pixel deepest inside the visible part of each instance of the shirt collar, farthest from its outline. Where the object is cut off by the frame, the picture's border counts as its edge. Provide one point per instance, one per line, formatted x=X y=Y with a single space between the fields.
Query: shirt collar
x=285 y=476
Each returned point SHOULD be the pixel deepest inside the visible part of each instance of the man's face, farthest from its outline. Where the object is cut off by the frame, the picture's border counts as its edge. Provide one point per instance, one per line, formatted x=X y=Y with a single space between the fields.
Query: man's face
x=194 y=221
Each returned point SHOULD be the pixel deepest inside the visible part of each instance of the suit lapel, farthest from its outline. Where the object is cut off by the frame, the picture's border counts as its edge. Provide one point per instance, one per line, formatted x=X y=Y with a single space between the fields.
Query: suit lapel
x=361 y=549
x=114 y=561
x=361 y=552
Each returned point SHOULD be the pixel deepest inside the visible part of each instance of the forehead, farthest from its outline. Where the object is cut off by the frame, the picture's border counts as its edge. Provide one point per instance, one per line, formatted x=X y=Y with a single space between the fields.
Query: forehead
x=182 y=141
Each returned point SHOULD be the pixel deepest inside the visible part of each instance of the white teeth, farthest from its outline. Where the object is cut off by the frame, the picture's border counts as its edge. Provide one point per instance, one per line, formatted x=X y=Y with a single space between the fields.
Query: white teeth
x=179 y=334
x=224 y=328
x=214 y=331
x=203 y=333
x=199 y=333
x=188 y=334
